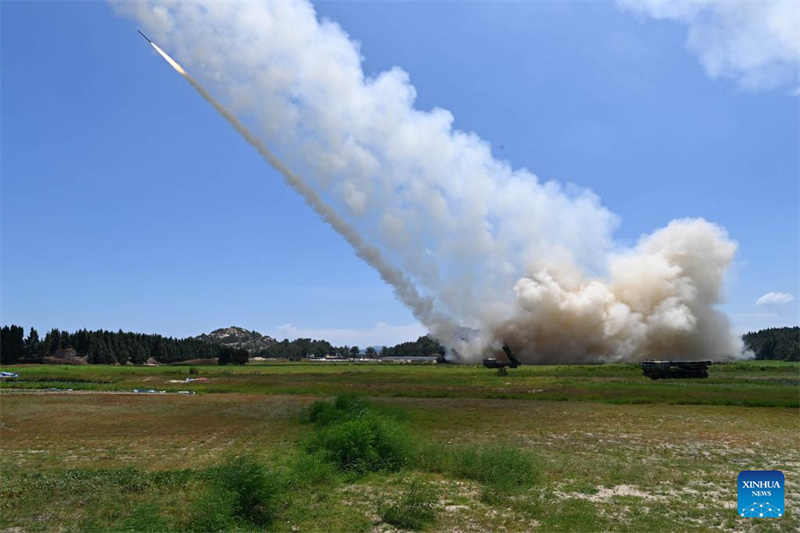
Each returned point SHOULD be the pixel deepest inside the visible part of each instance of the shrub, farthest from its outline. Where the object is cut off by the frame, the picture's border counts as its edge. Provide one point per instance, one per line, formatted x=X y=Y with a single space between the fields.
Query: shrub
x=344 y=407
x=415 y=510
x=322 y=413
x=253 y=489
x=365 y=443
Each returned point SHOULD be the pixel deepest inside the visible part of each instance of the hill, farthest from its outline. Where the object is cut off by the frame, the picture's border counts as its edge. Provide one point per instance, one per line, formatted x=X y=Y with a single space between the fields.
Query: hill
x=236 y=337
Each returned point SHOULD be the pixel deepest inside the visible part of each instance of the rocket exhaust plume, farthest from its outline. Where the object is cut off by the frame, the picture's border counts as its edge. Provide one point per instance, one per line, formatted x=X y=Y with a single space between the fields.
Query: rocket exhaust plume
x=174 y=64
x=403 y=287
x=482 y=253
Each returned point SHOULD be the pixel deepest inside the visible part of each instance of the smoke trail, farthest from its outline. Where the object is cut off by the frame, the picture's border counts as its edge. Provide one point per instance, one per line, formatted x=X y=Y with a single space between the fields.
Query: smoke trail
x=403 y=287
x=474 y=242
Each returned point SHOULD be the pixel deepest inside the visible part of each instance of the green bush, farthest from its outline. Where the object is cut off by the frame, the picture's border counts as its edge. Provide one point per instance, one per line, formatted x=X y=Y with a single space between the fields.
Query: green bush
x=365 y=443
x=345 y=406
x=253 y=487
x=239 y=489
x=356 y=437
x=322 y=413
x=415 y=510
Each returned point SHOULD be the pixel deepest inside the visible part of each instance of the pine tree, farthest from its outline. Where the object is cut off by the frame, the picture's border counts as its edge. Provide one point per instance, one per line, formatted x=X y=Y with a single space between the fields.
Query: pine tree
x=12 y=344
x=32 y=347
x=225 y=356
x=52 y=341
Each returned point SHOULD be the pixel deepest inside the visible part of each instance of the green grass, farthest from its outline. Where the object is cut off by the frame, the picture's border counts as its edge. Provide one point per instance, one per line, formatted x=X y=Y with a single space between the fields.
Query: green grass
x=415 y=509
x=609 y=450
x=145 y=518
x=501 y=468
x=353 y=439
x=739 y=383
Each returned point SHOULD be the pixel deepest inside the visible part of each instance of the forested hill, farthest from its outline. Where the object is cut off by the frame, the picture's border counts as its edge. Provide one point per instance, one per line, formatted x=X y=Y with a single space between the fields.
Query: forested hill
x=237 y=337
x=775 y=343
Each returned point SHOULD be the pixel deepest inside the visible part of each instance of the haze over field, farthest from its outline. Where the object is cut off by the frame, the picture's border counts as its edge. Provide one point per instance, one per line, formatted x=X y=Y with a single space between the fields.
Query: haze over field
x=468 y=240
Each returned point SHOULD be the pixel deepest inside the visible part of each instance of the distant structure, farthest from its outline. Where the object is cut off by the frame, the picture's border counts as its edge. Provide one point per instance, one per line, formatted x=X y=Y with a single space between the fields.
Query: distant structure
x=675 y=369
x=513 y=362
x=409 y=359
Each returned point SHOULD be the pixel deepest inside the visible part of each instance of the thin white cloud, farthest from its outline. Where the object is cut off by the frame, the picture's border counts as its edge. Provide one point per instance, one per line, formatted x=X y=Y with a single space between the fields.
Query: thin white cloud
x=381 y=334
x=754 y=43
x=775 y=298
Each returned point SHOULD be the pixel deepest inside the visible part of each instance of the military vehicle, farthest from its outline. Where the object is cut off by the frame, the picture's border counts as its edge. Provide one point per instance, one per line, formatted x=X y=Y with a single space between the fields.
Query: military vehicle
x=675 y=369
x=513 y=362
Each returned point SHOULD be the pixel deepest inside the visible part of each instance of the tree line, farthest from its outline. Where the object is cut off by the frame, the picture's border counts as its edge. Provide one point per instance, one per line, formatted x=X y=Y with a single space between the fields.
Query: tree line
x=774 y=343
x=422 y=346
x=300 y=348
x=108 y=347
x=101 y=346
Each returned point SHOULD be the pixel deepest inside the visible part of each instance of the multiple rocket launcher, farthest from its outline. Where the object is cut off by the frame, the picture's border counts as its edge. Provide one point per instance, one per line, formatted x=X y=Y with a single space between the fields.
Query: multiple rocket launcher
x=652 y=369
x=512 y=362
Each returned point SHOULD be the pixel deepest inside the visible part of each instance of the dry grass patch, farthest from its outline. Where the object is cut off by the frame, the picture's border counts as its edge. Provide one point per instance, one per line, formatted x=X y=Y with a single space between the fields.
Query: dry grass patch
x=157 y=432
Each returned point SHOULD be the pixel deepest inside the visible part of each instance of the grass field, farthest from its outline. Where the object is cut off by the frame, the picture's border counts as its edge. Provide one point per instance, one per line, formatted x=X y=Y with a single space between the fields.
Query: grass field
x=551 y=448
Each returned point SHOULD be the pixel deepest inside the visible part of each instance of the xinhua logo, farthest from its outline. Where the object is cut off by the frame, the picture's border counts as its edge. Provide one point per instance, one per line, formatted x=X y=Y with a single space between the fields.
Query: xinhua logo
x=761 y=493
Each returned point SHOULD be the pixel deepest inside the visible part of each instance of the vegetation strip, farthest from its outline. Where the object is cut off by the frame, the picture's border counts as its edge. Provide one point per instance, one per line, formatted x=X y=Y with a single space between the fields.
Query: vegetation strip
x=747 y=383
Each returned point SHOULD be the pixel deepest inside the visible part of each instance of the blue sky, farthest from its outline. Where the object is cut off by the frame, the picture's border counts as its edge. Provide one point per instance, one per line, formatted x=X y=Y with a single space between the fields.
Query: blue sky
x=127 y=203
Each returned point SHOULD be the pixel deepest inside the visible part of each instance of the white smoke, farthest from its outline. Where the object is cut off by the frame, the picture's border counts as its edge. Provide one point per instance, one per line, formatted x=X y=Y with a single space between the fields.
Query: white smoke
x=754 y=42
x=658 y=303
x=466 y=240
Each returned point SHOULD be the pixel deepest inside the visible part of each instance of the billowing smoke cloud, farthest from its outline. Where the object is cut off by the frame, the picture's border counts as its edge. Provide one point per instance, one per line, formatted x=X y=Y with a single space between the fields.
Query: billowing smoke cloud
x=755 y=43
x=481 y=252
x=659 y=302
